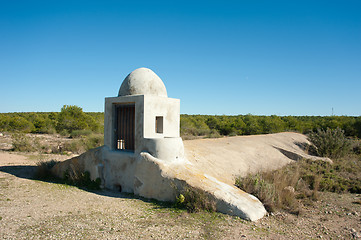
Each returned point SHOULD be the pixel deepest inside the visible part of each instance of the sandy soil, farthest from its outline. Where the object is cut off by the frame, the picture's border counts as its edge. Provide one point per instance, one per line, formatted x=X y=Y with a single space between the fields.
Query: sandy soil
x=31 y=209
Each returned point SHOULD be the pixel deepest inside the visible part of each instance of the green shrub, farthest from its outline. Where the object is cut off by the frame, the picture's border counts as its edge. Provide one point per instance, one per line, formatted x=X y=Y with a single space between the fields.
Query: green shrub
x=195 y=200
x=43 y=125
x=73 y=118
x=330 y=143
x=20 y=124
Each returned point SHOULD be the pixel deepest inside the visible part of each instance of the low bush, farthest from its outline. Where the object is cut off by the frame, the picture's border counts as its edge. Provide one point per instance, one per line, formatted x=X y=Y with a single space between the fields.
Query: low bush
x=81 y=179
x=93 y=141
x=330 y=143
x=74 y=146
x=43 y=170
x=83 y=144
x=72 y=177
x=195 y=200
x=23 y=143
x=276 y=190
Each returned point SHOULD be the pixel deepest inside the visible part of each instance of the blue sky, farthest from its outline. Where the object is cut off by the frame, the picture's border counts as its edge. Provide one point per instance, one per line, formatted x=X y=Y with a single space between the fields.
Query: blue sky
x=218 y=57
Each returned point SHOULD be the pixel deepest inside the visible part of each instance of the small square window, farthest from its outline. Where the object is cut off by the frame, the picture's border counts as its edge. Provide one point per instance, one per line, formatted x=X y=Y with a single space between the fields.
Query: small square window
x=159 y=124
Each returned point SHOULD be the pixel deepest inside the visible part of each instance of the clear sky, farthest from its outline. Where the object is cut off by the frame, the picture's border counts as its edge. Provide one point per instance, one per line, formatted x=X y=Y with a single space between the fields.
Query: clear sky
x=219 y=57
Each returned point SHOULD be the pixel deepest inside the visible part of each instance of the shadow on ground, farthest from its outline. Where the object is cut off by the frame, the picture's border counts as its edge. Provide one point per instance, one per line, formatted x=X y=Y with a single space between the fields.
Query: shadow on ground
x=21 y=171
x=28 y=172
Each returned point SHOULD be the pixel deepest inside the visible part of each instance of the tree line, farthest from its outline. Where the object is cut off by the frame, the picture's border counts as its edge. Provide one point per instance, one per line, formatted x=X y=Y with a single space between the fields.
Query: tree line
x=72 y=119
x=210 y=125
x=68 y=120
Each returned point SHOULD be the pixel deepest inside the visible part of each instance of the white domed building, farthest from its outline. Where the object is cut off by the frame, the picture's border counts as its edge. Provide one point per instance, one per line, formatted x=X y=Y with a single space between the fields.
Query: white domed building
x=143 y=153
x=141 y=119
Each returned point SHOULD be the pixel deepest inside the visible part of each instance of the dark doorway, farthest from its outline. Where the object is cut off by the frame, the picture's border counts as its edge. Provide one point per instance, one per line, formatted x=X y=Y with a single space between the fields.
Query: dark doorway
x=125 y=127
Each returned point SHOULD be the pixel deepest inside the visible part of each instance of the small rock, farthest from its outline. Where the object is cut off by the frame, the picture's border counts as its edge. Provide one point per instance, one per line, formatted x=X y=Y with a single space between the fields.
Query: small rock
x=356 y=235
x=289 y=189
x=353 y=230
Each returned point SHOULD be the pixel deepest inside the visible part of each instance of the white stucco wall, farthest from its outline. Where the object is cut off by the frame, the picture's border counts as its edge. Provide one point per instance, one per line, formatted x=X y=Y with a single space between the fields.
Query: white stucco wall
x=168 y=108
x=147 y=108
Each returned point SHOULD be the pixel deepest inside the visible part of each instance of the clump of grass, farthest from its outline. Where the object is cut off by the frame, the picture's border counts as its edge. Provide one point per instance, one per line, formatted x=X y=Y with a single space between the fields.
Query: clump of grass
x=274 y=189
x=330 y=143
x=43 y=170
x=83 y=144
x=73 y=176
x=23 y=143
x=195 y=200
x=81 y=179
x=80 y=133
x=93 y=141
x=299 y=182
x=75 y=146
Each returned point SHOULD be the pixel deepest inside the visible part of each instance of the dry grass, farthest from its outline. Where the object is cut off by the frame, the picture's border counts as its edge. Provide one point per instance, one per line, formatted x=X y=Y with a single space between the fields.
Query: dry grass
x=276 y=190
x=281 y=189
x=299 y=183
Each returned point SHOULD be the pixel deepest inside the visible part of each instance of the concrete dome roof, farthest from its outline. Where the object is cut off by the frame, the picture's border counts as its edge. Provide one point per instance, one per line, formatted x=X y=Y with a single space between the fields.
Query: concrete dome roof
x=142 y=81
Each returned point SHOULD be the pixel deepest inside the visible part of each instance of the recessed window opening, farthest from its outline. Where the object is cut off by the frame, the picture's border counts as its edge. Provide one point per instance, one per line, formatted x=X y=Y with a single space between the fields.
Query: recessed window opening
x=125 y=126
x=159 y=124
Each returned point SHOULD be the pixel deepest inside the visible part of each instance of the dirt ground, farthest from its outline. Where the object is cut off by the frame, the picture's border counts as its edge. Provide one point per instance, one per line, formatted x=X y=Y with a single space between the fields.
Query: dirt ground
x=32 y=209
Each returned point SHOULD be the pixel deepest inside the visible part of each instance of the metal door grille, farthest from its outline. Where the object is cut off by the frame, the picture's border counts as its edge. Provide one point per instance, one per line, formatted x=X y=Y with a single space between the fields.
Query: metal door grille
x=125 y=127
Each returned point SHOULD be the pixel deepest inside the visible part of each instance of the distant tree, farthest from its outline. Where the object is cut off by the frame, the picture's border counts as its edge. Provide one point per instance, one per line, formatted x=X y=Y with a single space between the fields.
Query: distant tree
x=20 y=124
x=252 y=124
x=73 y=118
x=357 y=126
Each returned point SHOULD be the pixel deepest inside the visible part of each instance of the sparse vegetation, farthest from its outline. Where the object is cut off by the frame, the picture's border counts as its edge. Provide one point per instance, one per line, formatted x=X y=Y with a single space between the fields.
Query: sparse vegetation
x=83 y=144
x=287 y=188
x=23 y=143
x=276 y=190
x=195 y=200
x=73 y=176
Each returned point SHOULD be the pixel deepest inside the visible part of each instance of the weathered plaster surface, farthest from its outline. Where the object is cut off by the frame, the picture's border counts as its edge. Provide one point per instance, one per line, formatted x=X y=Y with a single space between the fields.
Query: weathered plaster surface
x=142 y=81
